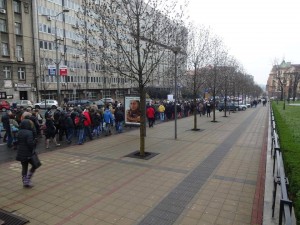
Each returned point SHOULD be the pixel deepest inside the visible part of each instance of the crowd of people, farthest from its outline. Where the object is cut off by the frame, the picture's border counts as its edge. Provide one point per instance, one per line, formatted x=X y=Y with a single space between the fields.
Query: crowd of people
x=77 y=124
x=24 y=127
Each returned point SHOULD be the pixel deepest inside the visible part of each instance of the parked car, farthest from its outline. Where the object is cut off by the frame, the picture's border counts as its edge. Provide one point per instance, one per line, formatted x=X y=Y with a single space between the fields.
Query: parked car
x=100 y=104
x=242 y=107
x=49 y=103
x=229 y=106
x=107 y=100
x=23 y=103
x=4 y=105
x=81 y=102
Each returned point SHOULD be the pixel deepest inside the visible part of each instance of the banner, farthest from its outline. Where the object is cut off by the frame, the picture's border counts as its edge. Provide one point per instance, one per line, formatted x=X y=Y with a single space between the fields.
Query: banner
x=132 y=110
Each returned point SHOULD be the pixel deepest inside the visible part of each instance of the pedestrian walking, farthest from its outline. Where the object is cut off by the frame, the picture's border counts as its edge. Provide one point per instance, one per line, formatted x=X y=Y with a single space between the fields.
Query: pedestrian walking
x=26 y=148
x=208 y=108
x=150 y=112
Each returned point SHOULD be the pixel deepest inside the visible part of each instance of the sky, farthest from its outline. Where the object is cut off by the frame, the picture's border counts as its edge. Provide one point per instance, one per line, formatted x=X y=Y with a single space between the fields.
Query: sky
x=255 y=32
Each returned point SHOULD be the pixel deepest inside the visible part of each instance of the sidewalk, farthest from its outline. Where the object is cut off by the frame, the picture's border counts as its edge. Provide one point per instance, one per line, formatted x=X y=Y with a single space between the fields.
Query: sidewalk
x=212 y=176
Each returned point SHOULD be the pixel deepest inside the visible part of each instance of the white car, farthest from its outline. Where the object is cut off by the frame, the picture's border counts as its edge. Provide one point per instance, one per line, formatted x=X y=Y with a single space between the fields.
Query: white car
x=107 y=100
x=23 y=103
x=242 y=107
x=49 y=103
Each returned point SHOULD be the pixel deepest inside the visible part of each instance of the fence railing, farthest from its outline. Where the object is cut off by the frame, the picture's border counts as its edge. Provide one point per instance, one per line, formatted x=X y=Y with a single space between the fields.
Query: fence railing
x=285 y=208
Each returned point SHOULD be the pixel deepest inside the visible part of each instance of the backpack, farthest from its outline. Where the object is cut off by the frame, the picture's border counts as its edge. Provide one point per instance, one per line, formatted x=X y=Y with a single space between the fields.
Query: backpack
x=77 y=120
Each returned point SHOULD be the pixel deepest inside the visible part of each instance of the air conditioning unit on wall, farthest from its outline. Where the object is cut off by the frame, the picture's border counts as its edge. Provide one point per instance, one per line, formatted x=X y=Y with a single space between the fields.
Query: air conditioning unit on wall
x=3 y=11
x=75 y=26
x=20 y=59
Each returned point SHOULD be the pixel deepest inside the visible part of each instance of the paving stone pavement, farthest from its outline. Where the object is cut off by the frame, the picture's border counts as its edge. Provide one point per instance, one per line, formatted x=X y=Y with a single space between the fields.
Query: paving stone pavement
x=211 y=176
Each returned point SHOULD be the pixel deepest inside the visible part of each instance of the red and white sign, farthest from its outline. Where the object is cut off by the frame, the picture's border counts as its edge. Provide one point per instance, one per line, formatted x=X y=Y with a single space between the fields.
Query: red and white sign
x=63 y=70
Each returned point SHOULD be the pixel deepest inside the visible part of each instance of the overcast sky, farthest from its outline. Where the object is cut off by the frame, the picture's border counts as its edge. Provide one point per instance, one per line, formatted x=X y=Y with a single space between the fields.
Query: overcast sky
x=255 y=31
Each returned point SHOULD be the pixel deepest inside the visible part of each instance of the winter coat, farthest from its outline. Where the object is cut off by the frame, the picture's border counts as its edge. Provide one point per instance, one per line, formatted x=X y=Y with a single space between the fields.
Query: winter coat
x=119 y=116
x=88 y=121
x=96 y=119
x=107 y=116
x=150 y=112
x=5 y=121
x=50 y=127
x=26 y=141
x=69 y=122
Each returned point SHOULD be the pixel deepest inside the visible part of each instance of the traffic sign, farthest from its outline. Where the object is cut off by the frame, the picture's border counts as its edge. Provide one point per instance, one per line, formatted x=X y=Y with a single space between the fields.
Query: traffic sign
x=63 y=70
x=51 y=70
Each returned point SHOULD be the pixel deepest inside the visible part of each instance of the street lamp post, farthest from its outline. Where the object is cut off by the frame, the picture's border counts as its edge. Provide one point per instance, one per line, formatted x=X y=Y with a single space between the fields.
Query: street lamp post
x=56 y=55
x=175 y=50
x=225 y=100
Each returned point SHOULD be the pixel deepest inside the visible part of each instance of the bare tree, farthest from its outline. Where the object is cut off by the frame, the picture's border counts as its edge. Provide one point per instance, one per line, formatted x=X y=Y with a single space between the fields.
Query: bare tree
x=198 y=54
x=218 y=60
x=133 y=35
x=228 y=73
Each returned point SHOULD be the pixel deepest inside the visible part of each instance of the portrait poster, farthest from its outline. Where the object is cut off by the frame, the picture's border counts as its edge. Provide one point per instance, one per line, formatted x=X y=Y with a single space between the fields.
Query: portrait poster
x=132 y=110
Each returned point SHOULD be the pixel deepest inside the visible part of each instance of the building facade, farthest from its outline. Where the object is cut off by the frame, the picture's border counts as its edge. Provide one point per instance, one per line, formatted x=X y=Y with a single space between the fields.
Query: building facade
x=17 y=58
x=60 y=43
x=284 y=81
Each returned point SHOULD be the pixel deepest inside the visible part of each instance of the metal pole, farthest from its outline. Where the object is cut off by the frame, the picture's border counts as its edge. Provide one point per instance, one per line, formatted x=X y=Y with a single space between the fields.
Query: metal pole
x=175 y=80
x=57 y=63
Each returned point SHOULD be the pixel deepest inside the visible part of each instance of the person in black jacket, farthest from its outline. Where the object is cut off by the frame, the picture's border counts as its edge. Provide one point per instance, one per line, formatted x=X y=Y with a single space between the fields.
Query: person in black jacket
x=26 y=146
x=6 y=125
x=69 y=126
x=50 y=131
x=119 y=119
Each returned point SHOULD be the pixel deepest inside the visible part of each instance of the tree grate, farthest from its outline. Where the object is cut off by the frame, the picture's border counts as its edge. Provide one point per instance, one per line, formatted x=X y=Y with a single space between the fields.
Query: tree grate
x=11 y=219
x=136 y=155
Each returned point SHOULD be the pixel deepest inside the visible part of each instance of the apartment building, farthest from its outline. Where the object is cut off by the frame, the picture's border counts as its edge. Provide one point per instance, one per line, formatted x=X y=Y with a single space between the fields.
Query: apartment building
x=284 y=81
x=62 y=43
x=17 y=64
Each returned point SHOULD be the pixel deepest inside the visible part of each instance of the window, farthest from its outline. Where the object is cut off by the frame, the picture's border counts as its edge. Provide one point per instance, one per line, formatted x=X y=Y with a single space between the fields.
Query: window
x=5 y=48
x=2 y=4
x=18 y=29
x=3 y=26
x=19 y=51
x=21 y=73
x=7 y=72
x=17 y=7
